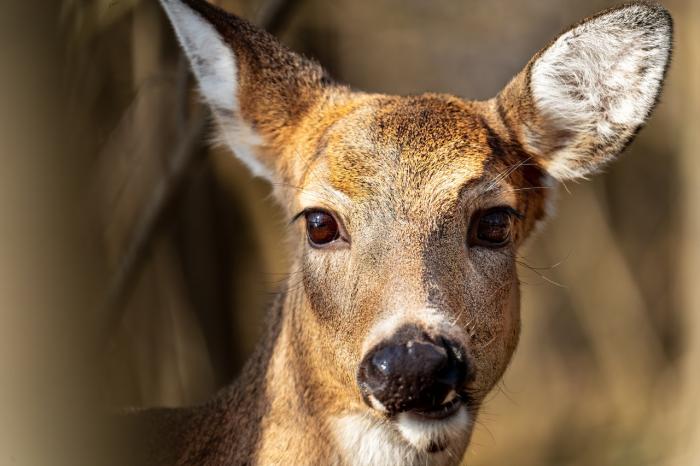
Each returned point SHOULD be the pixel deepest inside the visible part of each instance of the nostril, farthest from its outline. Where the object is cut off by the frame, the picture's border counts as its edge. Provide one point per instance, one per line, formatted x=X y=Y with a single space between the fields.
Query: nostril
x=457 y=372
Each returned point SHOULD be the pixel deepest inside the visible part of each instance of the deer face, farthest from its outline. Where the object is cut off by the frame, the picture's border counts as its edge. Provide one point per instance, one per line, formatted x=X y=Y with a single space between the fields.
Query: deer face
x=413 y=212
x=410 y=210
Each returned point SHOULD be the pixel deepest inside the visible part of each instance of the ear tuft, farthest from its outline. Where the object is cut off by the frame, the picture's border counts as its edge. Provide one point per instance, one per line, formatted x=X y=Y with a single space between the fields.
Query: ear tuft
x=594 y=87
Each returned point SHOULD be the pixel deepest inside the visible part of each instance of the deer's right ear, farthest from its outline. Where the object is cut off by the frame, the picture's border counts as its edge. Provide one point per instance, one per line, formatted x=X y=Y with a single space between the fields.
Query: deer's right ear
x=258 y=90
x=583 y=98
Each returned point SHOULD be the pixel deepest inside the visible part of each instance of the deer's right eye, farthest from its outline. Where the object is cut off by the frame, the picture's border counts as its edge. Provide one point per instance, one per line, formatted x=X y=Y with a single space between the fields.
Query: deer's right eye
x=321 y=227
x=492 y=228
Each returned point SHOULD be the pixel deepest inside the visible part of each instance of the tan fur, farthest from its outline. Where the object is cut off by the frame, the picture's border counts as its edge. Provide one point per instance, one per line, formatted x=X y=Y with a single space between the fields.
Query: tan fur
x=404 y=176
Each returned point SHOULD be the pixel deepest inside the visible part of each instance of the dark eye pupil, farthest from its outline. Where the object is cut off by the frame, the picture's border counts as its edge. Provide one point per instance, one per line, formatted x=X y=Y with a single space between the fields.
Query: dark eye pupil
x=494 y=228
x=321 y=227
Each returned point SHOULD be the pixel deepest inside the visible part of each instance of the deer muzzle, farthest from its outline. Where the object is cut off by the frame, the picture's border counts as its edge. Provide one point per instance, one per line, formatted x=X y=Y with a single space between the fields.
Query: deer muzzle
x=412 y=371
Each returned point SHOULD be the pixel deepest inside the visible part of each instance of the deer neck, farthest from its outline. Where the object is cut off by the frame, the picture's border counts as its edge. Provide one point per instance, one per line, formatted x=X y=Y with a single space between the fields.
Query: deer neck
x=281 y=388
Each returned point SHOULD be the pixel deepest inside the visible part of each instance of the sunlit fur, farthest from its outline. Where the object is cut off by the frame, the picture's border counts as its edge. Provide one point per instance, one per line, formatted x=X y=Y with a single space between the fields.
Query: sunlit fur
x=404 y=176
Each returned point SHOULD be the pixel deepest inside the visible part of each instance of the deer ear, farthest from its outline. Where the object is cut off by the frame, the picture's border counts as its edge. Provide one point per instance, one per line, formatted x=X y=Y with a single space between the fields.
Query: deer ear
x=257 y=89
x=582 y=99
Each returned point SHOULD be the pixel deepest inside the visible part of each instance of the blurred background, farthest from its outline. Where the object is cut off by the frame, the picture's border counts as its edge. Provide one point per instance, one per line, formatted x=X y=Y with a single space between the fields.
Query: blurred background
x=136 y=262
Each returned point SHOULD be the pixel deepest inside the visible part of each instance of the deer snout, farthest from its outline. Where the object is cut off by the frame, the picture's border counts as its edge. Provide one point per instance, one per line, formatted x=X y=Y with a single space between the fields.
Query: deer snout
x=412 y=372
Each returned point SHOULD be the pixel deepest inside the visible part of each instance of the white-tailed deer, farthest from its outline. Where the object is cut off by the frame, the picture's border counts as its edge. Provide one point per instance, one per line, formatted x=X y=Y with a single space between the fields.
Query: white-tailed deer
x=408 y=212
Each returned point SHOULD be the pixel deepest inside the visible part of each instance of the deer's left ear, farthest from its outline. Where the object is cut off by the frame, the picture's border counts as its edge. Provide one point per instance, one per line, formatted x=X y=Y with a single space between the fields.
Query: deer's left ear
x=582 y=99
x=258 y=90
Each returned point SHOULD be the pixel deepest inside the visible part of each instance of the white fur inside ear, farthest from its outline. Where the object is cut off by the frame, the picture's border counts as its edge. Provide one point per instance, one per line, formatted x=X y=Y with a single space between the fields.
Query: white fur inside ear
x=214 y=65
x=213 y=62
x=598 y=82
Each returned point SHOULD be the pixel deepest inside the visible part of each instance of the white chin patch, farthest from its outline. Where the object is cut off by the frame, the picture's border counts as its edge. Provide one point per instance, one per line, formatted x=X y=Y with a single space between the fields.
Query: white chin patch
x=434 y=434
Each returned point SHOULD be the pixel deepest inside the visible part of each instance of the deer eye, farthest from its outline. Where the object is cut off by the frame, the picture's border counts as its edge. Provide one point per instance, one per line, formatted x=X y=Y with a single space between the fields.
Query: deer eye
x=492 y=228
x=321 y=227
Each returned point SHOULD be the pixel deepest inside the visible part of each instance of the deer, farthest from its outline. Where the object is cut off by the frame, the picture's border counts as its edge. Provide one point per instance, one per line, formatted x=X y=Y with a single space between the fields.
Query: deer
x=407 y=213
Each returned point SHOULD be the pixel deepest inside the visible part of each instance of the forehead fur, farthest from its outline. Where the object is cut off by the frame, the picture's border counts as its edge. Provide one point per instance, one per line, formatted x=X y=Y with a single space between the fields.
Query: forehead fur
x=406 y=157
x=401 y=147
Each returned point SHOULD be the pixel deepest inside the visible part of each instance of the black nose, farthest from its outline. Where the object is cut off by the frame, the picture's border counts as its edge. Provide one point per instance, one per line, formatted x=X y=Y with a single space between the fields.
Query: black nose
x=412 y=371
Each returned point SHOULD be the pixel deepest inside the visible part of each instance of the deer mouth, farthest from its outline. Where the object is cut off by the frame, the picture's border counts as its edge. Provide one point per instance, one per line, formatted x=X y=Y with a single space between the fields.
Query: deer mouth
x=434 y=431
x=448 y=408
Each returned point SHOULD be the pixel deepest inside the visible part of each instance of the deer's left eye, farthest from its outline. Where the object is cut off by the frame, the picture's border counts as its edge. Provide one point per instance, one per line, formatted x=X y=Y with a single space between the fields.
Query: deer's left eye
x=492 y=228
x=321 y=227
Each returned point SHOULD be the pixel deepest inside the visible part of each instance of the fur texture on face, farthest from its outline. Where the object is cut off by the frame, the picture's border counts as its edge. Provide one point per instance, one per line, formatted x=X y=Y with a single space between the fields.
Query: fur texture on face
x=408 y=181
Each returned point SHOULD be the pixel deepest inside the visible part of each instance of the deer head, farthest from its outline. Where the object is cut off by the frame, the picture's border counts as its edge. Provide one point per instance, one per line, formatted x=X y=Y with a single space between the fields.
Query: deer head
x=409 y=211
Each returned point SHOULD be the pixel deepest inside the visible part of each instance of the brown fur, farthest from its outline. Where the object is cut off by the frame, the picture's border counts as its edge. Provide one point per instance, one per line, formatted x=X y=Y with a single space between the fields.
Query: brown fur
x=405 y=177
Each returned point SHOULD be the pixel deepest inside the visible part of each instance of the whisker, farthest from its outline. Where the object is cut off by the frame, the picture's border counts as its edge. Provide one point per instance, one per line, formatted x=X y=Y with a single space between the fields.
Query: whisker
x=542 y=276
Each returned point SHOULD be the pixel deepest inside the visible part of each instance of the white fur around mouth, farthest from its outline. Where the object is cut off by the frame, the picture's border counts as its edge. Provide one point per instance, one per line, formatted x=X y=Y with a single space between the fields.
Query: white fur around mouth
x=433 y=435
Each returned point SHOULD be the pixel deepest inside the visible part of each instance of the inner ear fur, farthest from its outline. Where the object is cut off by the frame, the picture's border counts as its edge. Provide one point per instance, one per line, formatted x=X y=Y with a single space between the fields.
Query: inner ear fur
x=581 y=100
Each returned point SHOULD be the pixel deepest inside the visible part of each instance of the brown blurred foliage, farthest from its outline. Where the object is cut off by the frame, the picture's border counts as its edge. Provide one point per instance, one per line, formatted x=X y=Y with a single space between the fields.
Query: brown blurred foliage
x=124 y=234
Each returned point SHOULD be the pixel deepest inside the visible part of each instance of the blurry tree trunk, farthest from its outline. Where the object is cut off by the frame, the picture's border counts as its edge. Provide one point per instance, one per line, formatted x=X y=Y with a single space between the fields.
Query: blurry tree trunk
x=150 y=296
x=605 y=315
x=49 y=256
x=687 y=59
